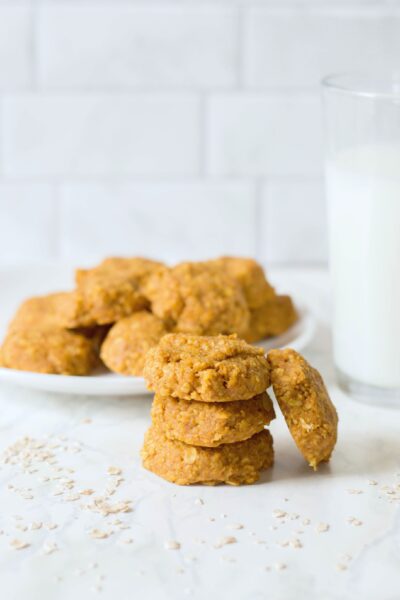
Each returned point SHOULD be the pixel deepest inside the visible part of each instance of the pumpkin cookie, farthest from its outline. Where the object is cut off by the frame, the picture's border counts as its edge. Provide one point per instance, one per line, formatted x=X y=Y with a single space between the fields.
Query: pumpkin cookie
x=198 y=298
x=214 y=423
x=209 y=369
x=305 y=404
x=44 y=310
x=271 y=319
x=127 y=342
x=110 y=291
x=46 y=349
x=251 y=278
x=180 y=463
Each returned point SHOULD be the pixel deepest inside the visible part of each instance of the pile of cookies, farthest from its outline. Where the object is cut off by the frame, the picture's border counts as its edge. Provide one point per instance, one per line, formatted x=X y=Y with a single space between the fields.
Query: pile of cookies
x=209 y=412
x=211 y=408
x=122 y=307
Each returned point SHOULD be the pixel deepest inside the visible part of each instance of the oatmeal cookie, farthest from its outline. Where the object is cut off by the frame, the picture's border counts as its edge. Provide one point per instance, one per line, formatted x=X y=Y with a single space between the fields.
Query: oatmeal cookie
x=48 y=349
x=208 y=369
x=251 y=278
x=127 y=342
x=183 y=464
x=109 y=292
x=305 y=404
x=198 y=298
x=43 y=310
x=271 y=319
x=211 y=424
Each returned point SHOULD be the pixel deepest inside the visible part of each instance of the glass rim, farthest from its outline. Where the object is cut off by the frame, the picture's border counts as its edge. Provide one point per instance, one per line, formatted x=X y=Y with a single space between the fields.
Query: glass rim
x=365 y=85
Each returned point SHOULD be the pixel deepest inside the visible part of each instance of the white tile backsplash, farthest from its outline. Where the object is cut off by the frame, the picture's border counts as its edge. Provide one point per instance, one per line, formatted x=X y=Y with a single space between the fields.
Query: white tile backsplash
x=293 y=221
x=170 y=221
x=100 y=134
x=136 y=46
x=257 y=134
x=28 y=218
x=179 y=128
x=296 y=48
x=15 y=47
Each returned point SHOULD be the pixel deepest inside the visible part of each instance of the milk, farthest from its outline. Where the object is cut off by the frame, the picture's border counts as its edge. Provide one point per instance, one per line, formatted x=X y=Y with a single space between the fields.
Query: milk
x=363 y=190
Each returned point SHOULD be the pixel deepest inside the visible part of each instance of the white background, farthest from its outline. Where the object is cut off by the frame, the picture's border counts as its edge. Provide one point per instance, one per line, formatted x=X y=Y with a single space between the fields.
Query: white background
x=177 y=129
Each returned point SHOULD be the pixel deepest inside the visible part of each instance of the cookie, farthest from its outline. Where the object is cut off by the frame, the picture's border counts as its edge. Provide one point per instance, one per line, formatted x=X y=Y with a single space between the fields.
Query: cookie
x=305 y=404
x=251 y=278
x=109 y=292
x=209 y=369
x=211 y=424
x=198 y=298
x=44 y=310
x=125 y=346
x=271 y=319
x=47 y=349
x=183 y=464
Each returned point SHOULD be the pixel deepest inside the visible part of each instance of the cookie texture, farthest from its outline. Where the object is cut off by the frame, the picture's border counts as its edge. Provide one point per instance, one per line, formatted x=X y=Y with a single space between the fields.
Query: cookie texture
x=250 y=276
x=211 y=424
x=206 y=368
x=273 y=318
x=305 y=404
x=109 y=292
x=44 y=310
x=183 y=464
x=198 y=298
x=47 y=349
x=126 y=344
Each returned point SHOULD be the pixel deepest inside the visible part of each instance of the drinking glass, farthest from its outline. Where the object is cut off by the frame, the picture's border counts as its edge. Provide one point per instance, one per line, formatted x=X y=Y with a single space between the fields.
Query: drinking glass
x=362 y=173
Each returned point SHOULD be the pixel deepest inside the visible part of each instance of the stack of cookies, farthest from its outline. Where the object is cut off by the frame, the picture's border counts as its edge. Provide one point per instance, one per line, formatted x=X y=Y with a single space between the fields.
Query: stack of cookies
x=209 y=412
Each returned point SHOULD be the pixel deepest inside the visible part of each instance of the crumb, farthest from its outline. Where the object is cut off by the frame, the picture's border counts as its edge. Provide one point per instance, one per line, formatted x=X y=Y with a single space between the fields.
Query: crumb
x=19 y=544
x=225 y=541
x=172 y=545
x=322 y=527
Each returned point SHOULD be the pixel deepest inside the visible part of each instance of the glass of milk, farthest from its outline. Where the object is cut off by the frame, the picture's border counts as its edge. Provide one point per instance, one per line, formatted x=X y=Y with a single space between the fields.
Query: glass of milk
x=362 y=124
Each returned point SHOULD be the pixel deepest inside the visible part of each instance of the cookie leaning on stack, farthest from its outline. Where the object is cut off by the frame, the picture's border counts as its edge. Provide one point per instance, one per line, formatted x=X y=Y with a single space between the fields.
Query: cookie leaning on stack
x=209 y=412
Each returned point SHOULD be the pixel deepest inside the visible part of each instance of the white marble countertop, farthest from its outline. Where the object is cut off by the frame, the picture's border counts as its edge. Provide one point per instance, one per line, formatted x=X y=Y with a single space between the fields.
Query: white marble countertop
x=75 y=440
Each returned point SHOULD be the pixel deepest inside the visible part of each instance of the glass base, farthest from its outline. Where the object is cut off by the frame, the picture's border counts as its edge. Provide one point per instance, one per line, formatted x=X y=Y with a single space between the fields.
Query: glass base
x=368 y=394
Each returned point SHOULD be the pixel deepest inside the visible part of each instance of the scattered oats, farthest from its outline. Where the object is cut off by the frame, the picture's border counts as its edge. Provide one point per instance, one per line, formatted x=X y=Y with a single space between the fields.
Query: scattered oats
x=104 y=508
x=341 y=567
x=49 y=548
x=51 y=526
x=354 y=521
x=172 y=545
x=279 y=566
x=225 y=541
x=228 y=559
x=279 y=514
x=235 y=526
x=19 y=544
x=98 y=534
x=354 y=491
x=306 y=521
x=322 y=527
x=26 y=496
x=114 y=471
x=295 y=543
x=199 y=501
x=116 y=522
x=72 y=497
x=58 y=492
x=86 y=492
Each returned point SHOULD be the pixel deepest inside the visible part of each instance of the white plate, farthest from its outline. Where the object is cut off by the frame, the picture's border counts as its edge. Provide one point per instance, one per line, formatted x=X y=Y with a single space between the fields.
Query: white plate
x=110 y=384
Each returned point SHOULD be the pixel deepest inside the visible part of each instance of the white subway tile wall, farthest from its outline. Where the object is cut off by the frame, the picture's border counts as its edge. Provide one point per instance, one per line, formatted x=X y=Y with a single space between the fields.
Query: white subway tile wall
x=170 y=128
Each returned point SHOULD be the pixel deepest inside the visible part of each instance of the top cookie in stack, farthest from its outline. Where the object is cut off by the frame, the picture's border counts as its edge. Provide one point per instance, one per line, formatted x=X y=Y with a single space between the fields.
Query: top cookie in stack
x=210 y=410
